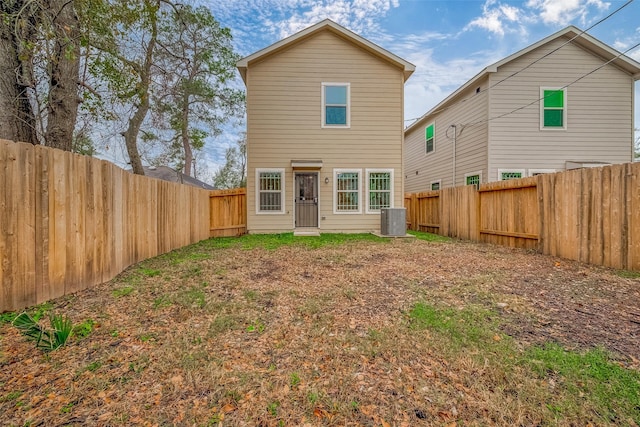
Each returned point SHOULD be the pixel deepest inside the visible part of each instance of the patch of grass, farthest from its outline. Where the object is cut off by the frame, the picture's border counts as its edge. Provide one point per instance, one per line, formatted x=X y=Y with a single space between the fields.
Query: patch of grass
x=66 y=408
x=470 y=327
x=122 y=292
x=272 y=408
x=564 y=385
x=250 y=295
x=150 y=272
x=161 y=302
x=222 y=323
x=148 y=337
x=628 y=274
x=294 y=379
x=93 y=366
x=275 y=241
x=83 y=329
x=256 y=326
x=12 y=395
x=590 y=379
x=193 y=297
x=429 y=237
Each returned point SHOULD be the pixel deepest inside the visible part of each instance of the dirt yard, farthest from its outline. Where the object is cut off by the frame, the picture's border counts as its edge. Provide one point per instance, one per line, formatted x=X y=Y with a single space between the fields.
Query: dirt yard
x=215 y=335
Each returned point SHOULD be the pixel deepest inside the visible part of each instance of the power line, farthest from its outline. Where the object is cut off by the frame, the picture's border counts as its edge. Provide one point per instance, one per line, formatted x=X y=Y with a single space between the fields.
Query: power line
x=534 y=62
x=563 y=87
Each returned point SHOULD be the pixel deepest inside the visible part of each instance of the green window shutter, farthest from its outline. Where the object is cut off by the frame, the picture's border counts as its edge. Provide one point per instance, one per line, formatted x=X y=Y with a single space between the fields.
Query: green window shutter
x=429 y=137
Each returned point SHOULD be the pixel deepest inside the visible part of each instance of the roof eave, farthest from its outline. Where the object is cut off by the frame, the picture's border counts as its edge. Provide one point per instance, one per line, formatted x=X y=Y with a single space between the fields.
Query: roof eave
x=243 y=64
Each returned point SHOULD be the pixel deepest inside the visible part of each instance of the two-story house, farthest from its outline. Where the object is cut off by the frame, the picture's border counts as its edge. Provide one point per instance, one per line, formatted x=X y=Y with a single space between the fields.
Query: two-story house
x=324 y=132
x=562 y=103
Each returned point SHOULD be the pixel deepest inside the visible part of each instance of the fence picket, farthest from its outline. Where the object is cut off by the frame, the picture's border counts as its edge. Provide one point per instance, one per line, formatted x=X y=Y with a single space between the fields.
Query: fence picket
x=589 y=215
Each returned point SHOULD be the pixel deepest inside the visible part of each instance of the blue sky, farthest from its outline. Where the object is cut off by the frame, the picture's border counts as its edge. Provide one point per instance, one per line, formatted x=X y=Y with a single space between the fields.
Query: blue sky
x=448 y=41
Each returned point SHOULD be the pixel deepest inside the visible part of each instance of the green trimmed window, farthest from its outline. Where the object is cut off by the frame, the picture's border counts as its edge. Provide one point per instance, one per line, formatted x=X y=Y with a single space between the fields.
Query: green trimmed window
x=435 y=185
x=473 y=180
x=379 y=189
x=506 y=175
x=430 y=137
x=553 y=114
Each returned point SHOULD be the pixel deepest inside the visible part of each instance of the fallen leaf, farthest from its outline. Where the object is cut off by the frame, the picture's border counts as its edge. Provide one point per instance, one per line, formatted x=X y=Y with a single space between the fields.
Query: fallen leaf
x=320 y=413
x=229 y=407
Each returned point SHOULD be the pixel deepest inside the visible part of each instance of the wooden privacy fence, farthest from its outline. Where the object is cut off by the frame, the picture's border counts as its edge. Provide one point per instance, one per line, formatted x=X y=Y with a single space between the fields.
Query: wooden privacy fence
x=228 y=212
x=590 y=215
x=68 y=222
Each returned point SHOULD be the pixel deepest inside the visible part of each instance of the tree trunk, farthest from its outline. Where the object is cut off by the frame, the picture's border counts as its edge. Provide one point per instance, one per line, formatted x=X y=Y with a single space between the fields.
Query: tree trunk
x=17 y=120
x=135 y=122
x=131 y=134
x=186 y=144
x=64 y=69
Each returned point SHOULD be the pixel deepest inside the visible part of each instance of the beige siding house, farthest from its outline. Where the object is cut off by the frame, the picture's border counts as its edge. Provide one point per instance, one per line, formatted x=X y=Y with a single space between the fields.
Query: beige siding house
x=324 y=132
x=562 y=103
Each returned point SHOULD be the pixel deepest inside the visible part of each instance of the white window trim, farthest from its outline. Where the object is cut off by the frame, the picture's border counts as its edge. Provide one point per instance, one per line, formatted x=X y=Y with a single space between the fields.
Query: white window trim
x=532 y=172
x=439 y=182
x=335 y=191
x=282 y=192
x=369 y=171
x=564 y=109
x=501 y=171
x=466 y=175
x=434 y=138
x=323 y=110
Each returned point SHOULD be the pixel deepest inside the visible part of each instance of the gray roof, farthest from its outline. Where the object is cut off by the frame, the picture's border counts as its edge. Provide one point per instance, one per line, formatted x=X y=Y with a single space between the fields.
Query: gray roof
x=165 y=173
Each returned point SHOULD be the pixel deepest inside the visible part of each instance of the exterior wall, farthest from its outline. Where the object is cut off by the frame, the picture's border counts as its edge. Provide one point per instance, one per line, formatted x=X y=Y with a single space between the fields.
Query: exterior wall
x=284 y=124
x=421 y=168
x=599 y=112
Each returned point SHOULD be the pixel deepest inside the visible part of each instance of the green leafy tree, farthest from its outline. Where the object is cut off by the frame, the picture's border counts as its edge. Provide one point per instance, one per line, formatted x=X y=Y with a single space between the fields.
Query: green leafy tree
x=233 y=174
x=197 y=64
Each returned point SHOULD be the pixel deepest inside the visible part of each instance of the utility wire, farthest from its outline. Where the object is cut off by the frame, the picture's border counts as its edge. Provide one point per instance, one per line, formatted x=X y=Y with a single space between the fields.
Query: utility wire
x=534 y=62
x=563 y=87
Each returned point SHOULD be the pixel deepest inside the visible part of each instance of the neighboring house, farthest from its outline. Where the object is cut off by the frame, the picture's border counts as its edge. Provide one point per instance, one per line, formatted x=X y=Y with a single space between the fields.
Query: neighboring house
x=165 y=173
x=559 y=104
x=324 y=132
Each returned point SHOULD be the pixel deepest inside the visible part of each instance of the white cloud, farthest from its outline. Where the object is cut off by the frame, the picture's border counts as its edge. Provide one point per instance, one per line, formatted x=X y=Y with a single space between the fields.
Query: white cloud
x=360 y=16
x=563 y=12
x=497 y=18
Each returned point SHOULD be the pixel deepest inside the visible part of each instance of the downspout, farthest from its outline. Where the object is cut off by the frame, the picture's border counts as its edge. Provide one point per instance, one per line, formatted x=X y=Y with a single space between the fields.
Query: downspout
x=454 y=156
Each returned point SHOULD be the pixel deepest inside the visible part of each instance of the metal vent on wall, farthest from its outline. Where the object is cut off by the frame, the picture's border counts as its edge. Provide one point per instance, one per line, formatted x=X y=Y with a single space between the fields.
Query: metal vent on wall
x=393 y=221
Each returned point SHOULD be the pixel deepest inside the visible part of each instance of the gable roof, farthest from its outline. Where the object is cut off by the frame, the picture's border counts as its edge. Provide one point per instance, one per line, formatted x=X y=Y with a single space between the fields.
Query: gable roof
x=582 y=40
x=165 y=173
x=326 y=25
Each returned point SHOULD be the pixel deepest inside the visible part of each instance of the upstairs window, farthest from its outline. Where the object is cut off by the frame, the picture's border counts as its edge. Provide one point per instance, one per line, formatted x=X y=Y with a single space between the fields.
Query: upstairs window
x=335 y=105
x=553 y=108
x=429 y=137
